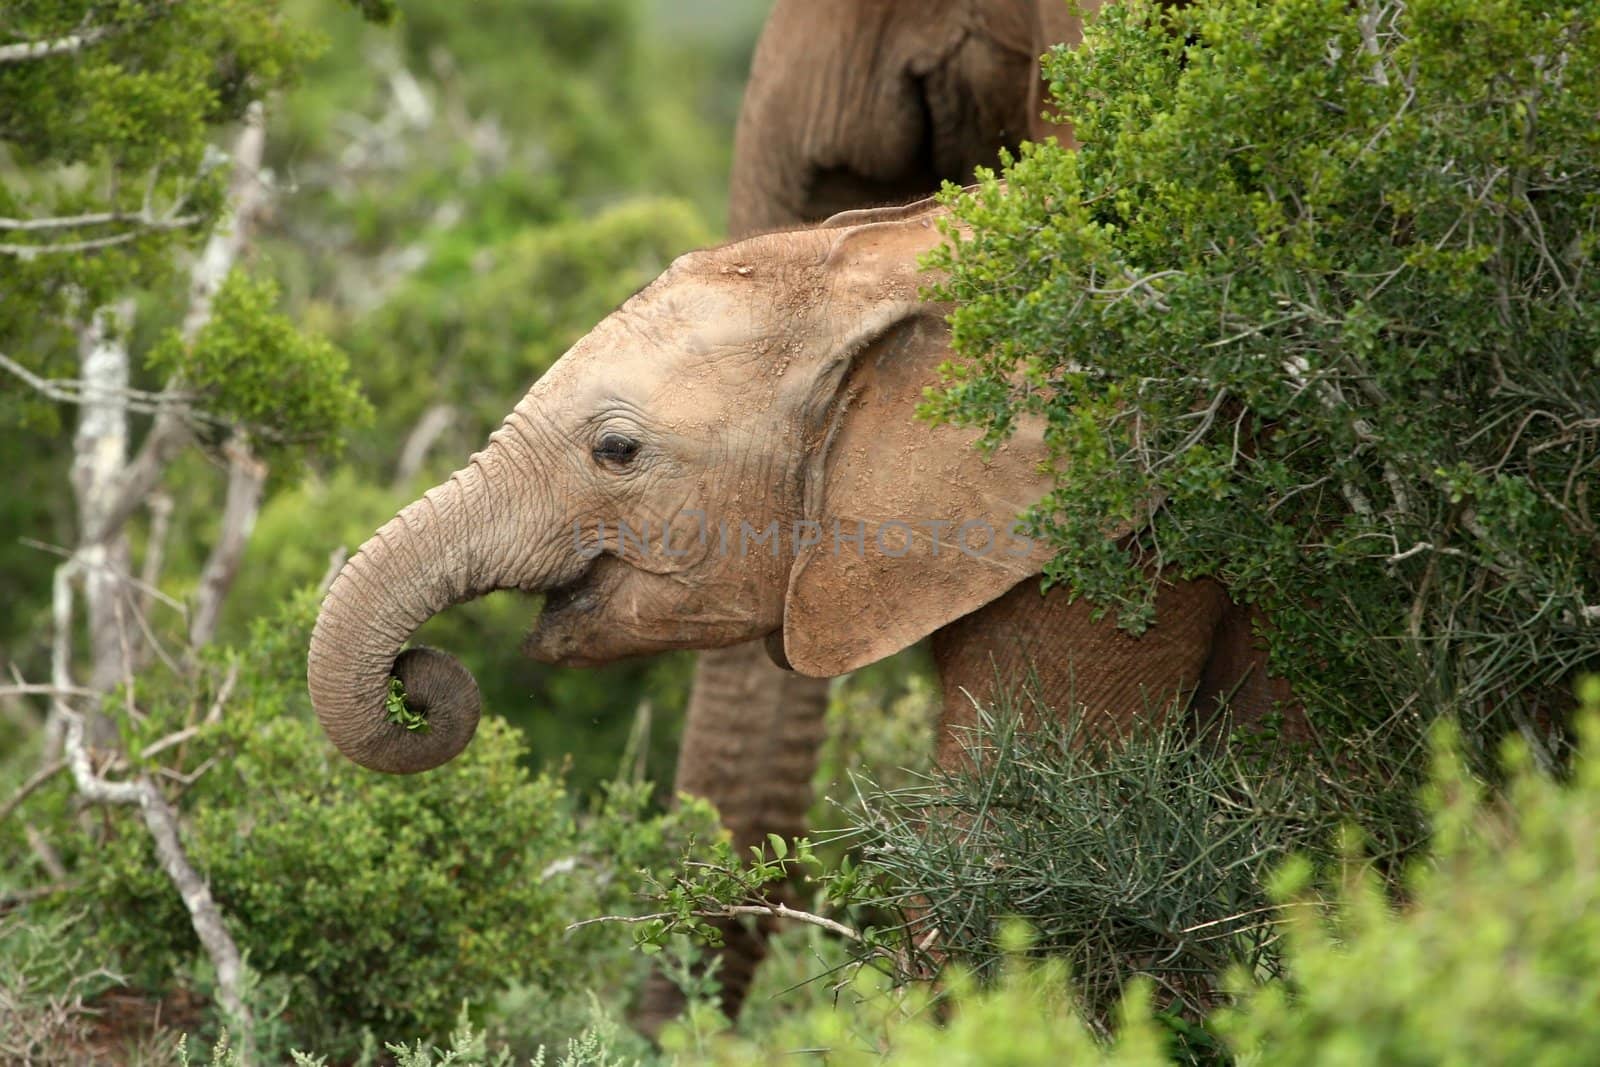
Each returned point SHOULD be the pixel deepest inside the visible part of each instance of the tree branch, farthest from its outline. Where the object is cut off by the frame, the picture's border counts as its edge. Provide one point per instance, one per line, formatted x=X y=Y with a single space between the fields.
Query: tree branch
x=162 y=823
x=23 y=51
x=782 y=911
x=40 y=777
x=78 y=391
x=247 y=477
x=94 y=244
x=434 y=422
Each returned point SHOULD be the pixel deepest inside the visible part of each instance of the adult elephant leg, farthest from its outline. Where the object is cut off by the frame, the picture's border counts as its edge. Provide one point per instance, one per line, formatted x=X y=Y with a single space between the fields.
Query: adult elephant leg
x=750 y=746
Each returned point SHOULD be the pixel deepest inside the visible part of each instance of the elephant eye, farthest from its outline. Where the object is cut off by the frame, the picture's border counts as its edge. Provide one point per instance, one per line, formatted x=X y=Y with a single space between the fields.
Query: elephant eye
x=615 y=449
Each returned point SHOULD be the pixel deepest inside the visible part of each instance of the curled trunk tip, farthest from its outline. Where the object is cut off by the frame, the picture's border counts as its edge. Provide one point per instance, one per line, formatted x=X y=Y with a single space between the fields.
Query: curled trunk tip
x=425 y=720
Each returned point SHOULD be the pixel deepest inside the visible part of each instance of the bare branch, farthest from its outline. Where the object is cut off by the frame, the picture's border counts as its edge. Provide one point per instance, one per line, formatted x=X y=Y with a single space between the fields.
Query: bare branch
x=782 y=911
x=247 y=477
x=246 y=196
x=434 y=422
x=224 y=691
x=18 y=897
x=60 y=654
x=40 y=777
x=94 y=244
x=23 y=51
x=155 y=748
x=48 y=858
x=71 y=222
x=162 y=823
x=336 y=560
x=22 y=689
x=79 y=391
x=160 y=505
x=26 y=51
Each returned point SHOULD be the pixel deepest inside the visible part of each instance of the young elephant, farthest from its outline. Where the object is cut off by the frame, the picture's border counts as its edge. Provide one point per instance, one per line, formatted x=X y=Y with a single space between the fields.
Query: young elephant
x=732 y=455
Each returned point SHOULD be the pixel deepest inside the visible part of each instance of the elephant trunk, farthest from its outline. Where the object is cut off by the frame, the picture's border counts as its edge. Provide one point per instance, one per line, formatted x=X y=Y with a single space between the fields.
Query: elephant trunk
x=453 y=544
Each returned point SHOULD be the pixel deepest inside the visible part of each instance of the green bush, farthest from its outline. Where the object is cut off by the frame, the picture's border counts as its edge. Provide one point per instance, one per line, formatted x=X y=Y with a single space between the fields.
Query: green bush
x=1320 y=284
x=1494 y=959
x=365 y=901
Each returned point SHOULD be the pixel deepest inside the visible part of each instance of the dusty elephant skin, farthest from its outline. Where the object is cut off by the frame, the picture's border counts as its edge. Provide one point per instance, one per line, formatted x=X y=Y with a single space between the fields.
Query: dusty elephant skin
x=759 y=385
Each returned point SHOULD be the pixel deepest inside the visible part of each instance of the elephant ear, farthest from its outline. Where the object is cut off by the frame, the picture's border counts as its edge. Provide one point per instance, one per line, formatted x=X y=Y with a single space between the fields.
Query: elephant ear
x=914 y=526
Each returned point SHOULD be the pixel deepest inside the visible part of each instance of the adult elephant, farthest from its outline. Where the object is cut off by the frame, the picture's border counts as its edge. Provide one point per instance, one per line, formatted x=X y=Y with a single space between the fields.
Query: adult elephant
x=732 y=456
x=850 y=104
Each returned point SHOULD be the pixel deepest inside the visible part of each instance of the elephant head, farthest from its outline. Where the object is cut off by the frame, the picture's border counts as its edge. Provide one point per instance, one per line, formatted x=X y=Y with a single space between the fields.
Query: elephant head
x=732 y=454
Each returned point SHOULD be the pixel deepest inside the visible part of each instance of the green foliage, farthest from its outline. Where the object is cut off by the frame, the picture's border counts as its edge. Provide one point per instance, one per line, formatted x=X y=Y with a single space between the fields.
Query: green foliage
x=251 y=366
x=1147 y=858
x=111 y=134
x=365 y=900
x=1316 y=299
x=397 y=712
x=1493 y=957
x=483 y=319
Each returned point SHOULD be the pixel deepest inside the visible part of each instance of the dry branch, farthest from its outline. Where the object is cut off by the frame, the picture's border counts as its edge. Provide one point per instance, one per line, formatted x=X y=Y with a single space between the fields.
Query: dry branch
x=162 y=823
x=22 y=51
x=94 y=244
x=83 y=37
x=40 y=777
x=247 y=477
x=782 y=911
x=434 y=422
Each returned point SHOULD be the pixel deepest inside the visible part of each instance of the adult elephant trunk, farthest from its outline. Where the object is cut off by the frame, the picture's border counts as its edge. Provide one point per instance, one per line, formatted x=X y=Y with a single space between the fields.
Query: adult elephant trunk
x=459 y=541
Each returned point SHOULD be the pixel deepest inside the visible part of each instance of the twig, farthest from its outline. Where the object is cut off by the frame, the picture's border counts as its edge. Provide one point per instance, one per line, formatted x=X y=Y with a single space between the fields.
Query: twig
x=178 y=737
x=224 y=691
x=18 y=897
x=39 y=689
x=40 y=777
x=247 y=477
x=137 y=583
x=782 y=911
x=48 y=859
x=1419 y=547
x=94 y=244
x=77 y=391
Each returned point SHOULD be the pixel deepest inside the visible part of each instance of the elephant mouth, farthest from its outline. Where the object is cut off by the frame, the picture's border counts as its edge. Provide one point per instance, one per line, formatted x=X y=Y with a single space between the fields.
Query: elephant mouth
x=576 y=595
x=555 y=634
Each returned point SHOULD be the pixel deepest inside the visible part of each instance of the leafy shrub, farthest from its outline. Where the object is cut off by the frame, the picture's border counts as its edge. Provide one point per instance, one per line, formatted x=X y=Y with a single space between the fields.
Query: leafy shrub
x=251 y=365
x=1494 y=959
x=1319 y=282
x=367 y=901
